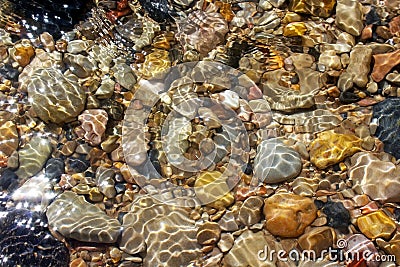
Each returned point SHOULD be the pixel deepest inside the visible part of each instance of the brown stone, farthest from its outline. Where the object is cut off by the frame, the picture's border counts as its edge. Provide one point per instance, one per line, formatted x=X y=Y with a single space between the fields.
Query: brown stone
x=394 y=25
x=78 y=262
x=287 y=215
x=384 y=63
x=317 y=239
x=208 y=233
x=376 y=224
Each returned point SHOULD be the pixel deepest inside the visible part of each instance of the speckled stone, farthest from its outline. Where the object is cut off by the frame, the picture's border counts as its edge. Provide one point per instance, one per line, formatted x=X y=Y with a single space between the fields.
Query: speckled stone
x=287 y=215
x=379 y=178
x=330 y=148
x=276 y=162
x=359 y=66
x=349 y=16
x=55 y=97
x=93 y=125
x=33 y=156
x=376 y=224
x=73 y=217
x=387 y=113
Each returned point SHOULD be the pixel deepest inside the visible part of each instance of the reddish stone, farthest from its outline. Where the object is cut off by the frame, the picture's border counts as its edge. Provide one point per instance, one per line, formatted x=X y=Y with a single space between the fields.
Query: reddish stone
x=366 y=32
x=394 y=25
x=384 y=63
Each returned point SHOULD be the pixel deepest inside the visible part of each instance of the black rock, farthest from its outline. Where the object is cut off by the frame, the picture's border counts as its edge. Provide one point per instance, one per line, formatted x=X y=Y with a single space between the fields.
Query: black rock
x=348 y=97
x=77 y=165
x=338 y=216
x=159 y=10
x=54 y=168
x=114 y=109
x=8 y=72
x=7 y=178
x=372 y=17
x=38 y=16
x=387 y=113
x=26 y=241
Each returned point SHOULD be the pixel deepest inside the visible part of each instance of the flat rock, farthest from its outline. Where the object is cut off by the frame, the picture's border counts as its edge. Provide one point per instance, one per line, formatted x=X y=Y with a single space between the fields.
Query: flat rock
x=276 y=162
x=33 y=156
x=169 y=233
x=349 y=16
x=384 y=63
x=376 y=224
x=73 y=217
x=55 y=97
x=330 y=148
x=379 y=179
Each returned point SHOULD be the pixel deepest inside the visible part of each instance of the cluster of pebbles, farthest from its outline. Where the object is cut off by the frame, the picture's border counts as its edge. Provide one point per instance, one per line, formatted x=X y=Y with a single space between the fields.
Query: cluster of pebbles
x=316 y=92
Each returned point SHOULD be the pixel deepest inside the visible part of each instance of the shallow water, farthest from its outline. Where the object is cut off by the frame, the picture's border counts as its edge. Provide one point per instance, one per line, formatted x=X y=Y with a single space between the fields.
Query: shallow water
x=199 y=133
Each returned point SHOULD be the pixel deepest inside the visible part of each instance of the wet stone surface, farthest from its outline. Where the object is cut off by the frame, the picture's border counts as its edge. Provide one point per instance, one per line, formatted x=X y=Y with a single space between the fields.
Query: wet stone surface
x=198 y=133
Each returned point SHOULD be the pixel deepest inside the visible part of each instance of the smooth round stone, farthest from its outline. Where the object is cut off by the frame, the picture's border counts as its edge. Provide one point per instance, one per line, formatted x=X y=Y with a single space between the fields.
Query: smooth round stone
x=208 y=233
x=55 y=97
x=387 y=113
x=338 y=216
x=287 y=215
x=378 y=178
x=349 y=16
x=33 y=157
x=73 y=217
x=54 y=168
x=275 y=162
x=317 y=239
x=105 y=181
x=376 y=224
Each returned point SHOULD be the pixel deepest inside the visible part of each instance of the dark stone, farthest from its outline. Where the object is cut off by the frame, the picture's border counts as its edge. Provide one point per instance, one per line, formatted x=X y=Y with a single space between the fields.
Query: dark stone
x=120 y=187
x=77 y=165
x=338 y=216
x=159 y=10
x=348 y=97
x=54 y=168
x=397 y=214
x=114 y=109
x=50 y=16
x=7 y=177
x=319 y=203
x=372 y=17
x=387 y=113
x=8 y=72
x=26 y=241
